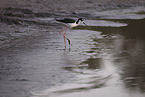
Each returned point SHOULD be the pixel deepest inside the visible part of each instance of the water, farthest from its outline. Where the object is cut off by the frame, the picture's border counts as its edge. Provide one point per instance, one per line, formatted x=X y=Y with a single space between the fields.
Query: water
x=105 y=59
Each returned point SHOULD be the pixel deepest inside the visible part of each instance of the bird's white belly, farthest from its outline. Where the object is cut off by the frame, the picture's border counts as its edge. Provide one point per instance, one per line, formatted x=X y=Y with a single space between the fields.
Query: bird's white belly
x=72 y=25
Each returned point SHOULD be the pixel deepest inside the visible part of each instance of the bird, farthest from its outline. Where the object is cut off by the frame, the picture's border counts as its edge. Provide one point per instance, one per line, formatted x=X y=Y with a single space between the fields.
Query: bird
x=70 y=23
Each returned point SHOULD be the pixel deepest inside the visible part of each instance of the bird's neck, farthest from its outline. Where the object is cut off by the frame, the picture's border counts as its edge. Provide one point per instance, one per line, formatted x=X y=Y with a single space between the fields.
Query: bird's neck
x=78 y=21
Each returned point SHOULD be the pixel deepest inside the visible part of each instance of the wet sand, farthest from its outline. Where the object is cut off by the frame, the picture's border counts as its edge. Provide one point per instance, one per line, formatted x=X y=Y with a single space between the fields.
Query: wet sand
x=108 y=55
x=69 y=5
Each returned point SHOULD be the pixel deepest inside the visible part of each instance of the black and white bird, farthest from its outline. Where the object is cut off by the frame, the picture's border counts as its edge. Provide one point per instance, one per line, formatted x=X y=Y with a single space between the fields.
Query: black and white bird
x=70 y=23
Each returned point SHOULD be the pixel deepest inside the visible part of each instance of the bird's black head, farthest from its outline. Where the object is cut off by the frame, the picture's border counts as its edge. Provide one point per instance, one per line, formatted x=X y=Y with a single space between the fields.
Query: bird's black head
x=80 y=19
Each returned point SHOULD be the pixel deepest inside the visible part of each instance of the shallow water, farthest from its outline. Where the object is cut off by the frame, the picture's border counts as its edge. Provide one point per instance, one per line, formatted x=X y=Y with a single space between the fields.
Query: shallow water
x=105 y=59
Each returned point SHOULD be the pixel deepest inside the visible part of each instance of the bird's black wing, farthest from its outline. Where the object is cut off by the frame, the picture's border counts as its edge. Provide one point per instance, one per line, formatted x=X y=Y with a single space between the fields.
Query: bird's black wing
x=67 y=20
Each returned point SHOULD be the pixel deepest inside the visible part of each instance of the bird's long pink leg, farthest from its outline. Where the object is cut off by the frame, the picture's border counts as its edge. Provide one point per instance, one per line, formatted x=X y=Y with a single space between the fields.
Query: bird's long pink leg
x=65 y=31
x=63 y=35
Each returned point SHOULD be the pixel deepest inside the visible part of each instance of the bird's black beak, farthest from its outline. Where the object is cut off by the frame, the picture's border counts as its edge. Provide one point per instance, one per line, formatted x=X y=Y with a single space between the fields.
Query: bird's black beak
x=85 y=23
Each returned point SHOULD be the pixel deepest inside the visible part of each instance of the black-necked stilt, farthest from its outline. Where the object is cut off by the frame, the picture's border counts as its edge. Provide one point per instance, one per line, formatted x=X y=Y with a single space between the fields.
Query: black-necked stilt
x=70 y=23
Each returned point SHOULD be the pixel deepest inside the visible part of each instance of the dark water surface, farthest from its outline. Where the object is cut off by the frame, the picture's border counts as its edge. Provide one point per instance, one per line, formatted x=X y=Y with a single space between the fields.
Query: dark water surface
x=106 y=59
